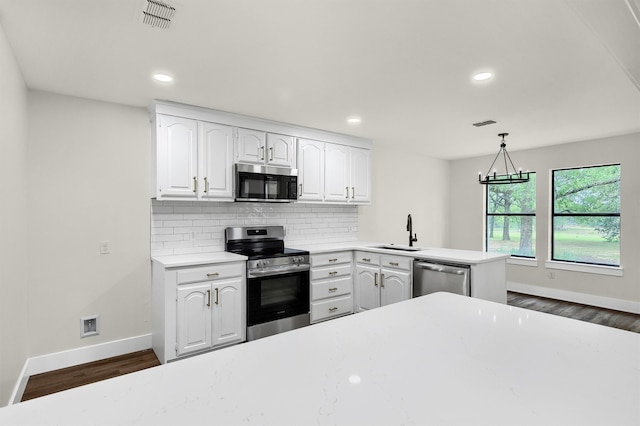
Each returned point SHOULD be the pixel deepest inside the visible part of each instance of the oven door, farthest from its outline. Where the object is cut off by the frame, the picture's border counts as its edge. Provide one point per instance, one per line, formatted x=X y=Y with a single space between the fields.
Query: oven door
x=273 y=297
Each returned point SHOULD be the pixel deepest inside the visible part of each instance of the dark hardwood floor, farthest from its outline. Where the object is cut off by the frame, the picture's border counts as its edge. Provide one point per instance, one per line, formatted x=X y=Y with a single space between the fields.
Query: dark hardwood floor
x=78 y=375
x=617 y=319
x=67 y=378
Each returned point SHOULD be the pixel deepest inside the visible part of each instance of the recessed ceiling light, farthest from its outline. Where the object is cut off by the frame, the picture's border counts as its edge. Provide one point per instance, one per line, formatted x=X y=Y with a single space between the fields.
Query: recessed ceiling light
x=354 y=120
x=164 y=78
x=482 y=76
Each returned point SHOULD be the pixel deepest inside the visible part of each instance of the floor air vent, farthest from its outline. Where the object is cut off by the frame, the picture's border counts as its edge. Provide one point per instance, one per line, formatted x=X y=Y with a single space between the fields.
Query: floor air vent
x=158 y=14
x=484 y=123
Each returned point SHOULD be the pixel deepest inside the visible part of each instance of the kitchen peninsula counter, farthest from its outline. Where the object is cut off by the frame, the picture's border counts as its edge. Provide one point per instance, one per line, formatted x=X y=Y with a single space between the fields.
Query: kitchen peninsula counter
x=468 y=257
x=441 y=359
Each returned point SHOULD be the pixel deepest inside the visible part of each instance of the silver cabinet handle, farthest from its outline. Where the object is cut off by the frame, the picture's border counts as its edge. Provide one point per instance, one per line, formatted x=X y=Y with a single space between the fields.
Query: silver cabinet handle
x=375 y=279
x=262 y=155
x=300 y=190
x=382 y=280
x=333 y=289
x=206 y=185
x=209 y=298
x=217 y=296
x=393 y=263
x=366 y=259
x=353 y=192
x=213 y=274
x=333 y=260
x=332 y=273
x=333 y=309
x=346 y=188
x=271 y=154
x=195 y=184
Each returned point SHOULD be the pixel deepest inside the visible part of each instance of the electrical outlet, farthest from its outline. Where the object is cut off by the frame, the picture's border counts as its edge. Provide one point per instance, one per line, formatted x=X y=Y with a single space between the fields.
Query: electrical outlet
x=89 y=326
x=192 y=235
x=104 y=247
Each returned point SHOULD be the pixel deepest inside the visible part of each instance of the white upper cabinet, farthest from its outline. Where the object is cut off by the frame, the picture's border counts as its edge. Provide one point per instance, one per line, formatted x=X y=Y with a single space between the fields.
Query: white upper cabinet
x=280 y=150
x=336 y=173
x=193 y=160
x=215 y=149
x=270 y=149
x=250 y=146
x=360 y=176
x=177 y=158
x=310 y=170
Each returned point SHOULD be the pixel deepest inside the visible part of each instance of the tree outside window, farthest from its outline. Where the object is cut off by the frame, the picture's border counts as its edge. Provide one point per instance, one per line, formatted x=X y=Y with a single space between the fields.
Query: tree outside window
x=511 y=218
x=586 y=215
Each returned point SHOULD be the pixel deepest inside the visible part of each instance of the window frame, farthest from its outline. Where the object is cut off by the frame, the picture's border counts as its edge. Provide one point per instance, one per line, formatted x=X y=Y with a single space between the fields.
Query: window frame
x=553 y=215
x=488 y=215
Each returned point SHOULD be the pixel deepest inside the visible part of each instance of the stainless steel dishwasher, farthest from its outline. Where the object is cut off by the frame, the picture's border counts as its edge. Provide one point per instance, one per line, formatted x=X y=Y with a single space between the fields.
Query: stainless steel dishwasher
x=430 y=277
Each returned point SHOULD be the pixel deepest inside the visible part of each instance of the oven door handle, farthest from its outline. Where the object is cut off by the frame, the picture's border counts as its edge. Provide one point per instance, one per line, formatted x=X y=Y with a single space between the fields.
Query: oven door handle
x=258 y=273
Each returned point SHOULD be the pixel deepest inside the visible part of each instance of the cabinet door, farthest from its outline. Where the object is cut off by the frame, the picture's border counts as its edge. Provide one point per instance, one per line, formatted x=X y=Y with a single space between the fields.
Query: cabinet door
x=177 y=157
x=395 y=286
x=310 y=170
x=280 y=150
x=215 y=148
x=366 y=288
x=336 y=173
x=360 y=176
x=193 y=318
x=250 y=147
x=228 y=315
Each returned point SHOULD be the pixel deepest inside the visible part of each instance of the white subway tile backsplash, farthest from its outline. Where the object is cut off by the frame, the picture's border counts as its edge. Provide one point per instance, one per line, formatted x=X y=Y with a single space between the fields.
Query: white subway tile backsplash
x=173 y=222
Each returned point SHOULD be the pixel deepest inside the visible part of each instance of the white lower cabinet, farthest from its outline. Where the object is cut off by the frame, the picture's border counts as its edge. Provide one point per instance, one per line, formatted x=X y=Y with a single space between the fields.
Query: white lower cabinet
x=331 y=285
x=381 y=280
x=197 y=308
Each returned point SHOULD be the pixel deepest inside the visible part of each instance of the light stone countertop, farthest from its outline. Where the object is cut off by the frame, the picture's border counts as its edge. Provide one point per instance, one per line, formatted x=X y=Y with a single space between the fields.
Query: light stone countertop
x=198 y=259
x=470 y=257
x=441 y=359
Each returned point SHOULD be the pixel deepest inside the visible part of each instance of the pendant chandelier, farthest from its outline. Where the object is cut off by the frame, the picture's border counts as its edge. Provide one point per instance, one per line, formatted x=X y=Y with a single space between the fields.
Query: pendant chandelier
x=493 y=178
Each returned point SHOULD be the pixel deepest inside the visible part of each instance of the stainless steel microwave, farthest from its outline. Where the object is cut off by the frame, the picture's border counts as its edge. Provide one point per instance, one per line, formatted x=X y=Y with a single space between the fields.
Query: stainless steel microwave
x=266 y=183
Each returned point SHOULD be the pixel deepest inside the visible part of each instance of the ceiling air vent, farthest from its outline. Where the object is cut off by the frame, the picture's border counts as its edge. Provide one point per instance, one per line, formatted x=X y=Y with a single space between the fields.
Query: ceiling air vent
x=158 y=14
x=484 y=123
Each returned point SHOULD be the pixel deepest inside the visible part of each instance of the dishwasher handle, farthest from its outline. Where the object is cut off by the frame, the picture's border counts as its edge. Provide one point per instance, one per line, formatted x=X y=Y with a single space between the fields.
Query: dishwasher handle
x=457 y=270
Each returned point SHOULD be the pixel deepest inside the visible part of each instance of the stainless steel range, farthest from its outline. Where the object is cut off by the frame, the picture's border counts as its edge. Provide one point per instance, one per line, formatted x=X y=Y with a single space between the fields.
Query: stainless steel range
x=277 y=280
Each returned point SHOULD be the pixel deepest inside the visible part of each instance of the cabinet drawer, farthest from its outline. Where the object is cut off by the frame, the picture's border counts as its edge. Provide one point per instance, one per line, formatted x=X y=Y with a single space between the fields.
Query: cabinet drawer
x=330 y=288
x=397 y=262
x=331 y=308
x=331 y=258
x=367 y=258
x=210 y=272
x=330 y=272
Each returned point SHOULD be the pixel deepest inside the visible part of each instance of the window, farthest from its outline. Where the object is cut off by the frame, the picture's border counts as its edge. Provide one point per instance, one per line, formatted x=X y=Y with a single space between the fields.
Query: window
x=586 y=215
x=511 y=218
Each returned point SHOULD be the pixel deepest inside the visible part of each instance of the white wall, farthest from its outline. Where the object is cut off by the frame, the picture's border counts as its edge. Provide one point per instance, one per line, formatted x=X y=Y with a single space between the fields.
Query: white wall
x=406 y=183
x=466 y=225
x=88 y=178
x=14 y=308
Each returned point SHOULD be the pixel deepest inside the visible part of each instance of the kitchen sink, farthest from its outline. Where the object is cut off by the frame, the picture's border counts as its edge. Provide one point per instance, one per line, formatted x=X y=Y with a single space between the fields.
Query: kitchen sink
x=394 y=247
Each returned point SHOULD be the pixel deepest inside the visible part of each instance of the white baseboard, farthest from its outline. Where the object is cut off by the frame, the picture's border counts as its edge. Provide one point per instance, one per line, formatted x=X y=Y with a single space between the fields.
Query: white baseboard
x=570 y=296
x=58 y=360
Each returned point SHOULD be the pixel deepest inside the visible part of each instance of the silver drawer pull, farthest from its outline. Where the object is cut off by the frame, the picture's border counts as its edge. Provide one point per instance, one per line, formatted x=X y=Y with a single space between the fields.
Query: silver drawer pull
x=393 y=263
x=333 y=260
x=332 y=273
x=332 y=289
x=215 y=274
x=333 y=309
x=366 y=259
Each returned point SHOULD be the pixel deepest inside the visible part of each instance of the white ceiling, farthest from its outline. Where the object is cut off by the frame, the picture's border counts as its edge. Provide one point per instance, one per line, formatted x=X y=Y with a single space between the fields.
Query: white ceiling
x=564 y=70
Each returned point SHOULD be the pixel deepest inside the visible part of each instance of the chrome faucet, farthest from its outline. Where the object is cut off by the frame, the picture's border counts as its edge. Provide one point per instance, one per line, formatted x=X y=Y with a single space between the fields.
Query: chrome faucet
x=412 y=237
